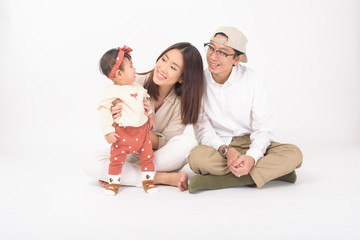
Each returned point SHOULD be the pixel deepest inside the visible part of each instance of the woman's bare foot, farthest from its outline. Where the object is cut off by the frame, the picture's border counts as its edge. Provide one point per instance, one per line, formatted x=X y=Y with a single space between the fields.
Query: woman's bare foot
x=179 y=180
x=103 y=184
x=183 y=181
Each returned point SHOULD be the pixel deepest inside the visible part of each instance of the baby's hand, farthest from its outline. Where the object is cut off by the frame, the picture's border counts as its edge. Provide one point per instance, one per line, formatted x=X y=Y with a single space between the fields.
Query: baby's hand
x=111 y=137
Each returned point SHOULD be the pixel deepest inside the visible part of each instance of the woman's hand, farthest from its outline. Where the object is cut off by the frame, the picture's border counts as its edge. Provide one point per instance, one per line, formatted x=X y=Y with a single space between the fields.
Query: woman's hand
x=151 y=122
x=116 y=108
x=147 y=107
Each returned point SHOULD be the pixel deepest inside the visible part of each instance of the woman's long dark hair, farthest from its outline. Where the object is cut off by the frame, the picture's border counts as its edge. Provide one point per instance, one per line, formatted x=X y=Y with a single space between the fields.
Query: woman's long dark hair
x=191 y=89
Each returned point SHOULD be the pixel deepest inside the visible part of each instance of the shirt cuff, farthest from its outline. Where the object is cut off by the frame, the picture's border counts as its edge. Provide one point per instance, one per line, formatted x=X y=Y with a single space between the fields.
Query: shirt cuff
x=255 y=154
x=108 y=130
x=216 y=143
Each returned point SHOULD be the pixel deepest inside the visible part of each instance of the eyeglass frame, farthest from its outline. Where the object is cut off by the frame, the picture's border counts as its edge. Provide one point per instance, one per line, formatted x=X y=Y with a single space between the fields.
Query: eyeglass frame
x=218 y=51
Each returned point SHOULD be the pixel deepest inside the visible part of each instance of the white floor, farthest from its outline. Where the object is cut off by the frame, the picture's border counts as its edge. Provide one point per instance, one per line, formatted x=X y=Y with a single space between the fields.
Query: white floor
x=45 y=197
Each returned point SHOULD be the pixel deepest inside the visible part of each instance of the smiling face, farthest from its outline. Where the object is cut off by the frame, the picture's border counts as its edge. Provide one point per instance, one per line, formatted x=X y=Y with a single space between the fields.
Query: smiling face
x=219 y=67
x=168 y=69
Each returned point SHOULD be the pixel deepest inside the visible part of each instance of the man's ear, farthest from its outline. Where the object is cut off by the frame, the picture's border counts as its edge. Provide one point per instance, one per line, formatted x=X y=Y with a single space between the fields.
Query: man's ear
x=238 y=59
x=118 y=74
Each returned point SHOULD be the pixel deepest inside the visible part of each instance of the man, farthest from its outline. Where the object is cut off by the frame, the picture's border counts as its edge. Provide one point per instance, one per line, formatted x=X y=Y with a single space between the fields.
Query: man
x=234 y=128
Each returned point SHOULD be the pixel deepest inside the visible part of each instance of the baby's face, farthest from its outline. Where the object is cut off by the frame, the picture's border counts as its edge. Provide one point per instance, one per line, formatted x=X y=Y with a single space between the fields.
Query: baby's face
x=127 y=73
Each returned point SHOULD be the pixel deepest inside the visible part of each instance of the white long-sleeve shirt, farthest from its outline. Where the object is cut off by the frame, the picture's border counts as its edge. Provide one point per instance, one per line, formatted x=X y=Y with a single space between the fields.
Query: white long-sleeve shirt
x=238 y=107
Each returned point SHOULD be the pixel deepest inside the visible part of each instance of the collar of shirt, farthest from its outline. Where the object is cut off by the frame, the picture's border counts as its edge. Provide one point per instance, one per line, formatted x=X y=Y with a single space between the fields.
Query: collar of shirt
x=171 y=96
x=237 y=69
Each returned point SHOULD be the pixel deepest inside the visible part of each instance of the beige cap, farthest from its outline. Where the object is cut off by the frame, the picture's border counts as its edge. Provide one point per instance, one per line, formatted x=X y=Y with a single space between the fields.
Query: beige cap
x=236 y=39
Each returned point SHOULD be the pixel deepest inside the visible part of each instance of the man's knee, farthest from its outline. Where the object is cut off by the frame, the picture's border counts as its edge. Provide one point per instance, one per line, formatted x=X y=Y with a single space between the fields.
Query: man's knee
x=296 y=156
x=196 y=159
x=205 y=160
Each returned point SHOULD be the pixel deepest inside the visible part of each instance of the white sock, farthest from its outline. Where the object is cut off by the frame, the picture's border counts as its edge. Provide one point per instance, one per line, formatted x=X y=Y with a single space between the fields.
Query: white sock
x=147 y=176
x=114 y=179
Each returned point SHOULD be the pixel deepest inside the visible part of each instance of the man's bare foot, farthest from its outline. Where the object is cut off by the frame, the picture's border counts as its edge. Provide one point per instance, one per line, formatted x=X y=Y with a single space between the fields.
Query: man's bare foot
x=179 y=180
x=103 y=184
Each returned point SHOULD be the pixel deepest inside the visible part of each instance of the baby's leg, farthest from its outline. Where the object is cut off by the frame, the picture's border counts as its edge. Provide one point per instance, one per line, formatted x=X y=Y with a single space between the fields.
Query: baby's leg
x=117 y=159
x=146 y=156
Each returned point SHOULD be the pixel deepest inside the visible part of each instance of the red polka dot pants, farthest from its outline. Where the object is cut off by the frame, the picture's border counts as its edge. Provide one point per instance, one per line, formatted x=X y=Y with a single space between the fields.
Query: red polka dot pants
x=131 y=140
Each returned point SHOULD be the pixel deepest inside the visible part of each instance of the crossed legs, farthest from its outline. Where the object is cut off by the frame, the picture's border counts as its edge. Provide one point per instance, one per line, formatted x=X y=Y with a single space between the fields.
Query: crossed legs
x=278 y=163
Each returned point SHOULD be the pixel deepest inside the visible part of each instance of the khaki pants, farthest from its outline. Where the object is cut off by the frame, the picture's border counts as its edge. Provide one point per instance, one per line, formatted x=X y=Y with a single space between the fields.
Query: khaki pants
x=279 y=160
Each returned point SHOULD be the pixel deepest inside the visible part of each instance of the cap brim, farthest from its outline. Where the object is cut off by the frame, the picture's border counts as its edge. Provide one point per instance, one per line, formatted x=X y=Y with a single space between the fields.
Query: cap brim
x=244 y=60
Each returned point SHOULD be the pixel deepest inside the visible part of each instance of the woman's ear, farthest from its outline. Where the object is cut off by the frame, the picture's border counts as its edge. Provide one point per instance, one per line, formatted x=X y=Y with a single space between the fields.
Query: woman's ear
x=181 y=80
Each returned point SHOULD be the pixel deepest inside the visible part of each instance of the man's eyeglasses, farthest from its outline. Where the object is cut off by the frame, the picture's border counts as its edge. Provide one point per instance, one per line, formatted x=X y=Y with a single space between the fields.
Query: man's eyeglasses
x=210 y=50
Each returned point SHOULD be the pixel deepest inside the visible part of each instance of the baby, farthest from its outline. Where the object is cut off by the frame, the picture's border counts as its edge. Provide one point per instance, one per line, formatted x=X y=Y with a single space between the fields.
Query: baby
x=129 y=133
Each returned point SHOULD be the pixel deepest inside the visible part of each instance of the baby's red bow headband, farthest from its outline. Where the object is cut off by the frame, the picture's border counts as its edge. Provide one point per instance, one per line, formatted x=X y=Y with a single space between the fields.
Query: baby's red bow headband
x=119 y=60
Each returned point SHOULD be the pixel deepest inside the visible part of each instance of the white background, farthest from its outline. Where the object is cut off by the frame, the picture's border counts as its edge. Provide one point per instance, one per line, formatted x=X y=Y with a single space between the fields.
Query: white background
x=308 y=51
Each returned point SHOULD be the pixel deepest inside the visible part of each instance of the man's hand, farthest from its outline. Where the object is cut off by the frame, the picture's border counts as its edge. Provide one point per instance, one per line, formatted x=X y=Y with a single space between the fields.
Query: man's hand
x=246 y=164
x=233 y=157
x=116 y=108
x=238 y=164
x=111 y=137
x=233 y=160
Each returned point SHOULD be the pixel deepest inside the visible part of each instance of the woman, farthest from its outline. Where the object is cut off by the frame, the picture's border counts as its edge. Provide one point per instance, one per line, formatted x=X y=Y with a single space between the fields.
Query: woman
x=176 y=88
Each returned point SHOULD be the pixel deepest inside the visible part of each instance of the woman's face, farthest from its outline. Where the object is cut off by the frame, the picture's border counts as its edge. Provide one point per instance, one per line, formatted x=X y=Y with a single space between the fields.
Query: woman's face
x=169 y=68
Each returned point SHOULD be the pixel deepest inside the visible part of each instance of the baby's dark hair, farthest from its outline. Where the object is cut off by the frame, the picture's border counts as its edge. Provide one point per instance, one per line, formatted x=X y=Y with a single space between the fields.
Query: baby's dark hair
x=108 y=60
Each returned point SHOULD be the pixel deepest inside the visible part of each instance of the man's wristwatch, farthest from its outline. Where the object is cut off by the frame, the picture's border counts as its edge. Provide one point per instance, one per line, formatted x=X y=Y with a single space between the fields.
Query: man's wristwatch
x=224 y=150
